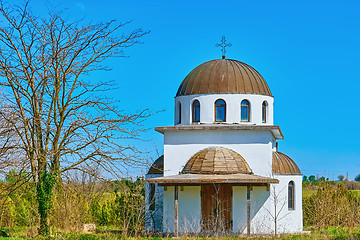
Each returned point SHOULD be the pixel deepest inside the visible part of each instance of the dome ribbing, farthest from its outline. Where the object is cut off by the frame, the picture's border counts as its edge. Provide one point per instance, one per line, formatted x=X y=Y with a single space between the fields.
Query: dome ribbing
x=223 y=76
x=283 y=164
x=217 y=160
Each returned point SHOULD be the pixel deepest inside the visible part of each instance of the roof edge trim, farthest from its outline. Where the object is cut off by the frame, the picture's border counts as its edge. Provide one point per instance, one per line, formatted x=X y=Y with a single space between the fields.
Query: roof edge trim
x=275 y=130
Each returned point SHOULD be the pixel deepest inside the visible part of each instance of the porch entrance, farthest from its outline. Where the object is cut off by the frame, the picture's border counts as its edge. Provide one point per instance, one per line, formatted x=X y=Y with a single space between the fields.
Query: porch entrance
x=216 y=208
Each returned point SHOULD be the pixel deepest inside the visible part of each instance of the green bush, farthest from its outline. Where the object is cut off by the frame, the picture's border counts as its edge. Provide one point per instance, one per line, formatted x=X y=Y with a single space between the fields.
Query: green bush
x=331 y=206
x=124 y=208
x=4 y=232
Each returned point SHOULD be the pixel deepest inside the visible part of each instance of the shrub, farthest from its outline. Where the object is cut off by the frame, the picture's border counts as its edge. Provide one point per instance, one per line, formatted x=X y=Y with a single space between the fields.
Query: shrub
x=331 y=206
x=4 y=232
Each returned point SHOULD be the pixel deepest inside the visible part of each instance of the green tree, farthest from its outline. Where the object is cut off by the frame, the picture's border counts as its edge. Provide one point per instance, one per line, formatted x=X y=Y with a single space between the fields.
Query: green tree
x=321 y=179
x=357 y=178
x=63 y=120
x=305 y=178
x=312 y=178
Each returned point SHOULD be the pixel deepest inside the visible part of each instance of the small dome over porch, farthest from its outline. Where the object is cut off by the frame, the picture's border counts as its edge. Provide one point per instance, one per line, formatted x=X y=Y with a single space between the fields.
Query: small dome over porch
x=216 y=160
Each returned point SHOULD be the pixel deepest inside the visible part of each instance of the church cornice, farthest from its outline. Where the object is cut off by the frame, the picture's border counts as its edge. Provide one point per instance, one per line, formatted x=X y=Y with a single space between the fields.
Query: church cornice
x=275 y=130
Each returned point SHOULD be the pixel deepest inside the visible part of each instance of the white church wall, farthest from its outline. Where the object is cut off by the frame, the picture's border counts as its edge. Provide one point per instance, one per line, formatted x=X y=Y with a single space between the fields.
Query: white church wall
x=233 y=101
x=189 y=209
x=153 y=218
x=168 y=215
x=259 y=204
x=262 y=211
x=290 y=220
x=254 y=146
x=239 y=209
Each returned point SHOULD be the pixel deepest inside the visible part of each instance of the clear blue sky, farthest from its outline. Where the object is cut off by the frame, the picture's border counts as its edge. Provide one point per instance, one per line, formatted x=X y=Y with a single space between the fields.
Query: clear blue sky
x=307 y=51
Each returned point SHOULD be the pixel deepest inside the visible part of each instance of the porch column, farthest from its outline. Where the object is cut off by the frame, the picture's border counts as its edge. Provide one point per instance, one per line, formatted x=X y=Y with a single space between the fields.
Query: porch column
x=176 y=210
x=248 y=209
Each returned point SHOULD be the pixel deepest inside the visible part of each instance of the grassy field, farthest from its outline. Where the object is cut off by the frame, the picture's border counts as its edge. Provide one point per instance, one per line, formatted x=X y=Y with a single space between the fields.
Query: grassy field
x=357 y=192
x=335 y=233
x=308 y=193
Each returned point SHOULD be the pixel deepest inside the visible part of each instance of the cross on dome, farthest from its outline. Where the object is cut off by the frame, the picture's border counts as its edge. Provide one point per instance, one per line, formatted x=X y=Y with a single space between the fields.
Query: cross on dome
x=223 y=45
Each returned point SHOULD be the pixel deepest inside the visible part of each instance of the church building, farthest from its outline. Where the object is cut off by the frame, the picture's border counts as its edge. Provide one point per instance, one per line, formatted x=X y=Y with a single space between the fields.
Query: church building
x=221 y=171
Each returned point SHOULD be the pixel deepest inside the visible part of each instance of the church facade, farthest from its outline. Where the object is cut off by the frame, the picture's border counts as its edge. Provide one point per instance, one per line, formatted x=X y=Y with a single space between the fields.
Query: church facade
x=221 y=171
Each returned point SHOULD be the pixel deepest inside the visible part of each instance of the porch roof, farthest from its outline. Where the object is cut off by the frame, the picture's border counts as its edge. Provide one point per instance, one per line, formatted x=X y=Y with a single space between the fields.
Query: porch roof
x=198 y=179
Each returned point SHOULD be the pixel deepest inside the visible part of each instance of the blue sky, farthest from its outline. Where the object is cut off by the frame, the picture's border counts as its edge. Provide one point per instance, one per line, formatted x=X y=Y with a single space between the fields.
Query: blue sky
x=307 y=51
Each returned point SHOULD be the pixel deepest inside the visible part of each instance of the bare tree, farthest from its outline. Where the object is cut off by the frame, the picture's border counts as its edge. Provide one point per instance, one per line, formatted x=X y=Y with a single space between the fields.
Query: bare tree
x=62 y=120
x=278 y=205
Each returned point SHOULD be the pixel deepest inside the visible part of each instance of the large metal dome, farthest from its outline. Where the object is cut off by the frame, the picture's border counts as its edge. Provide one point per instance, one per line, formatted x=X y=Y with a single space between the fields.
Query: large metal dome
x=217 y=160
x=223 y=76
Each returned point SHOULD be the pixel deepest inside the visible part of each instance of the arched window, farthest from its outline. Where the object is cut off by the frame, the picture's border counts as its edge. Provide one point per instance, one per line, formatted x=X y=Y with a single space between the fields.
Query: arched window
x=291 y=196
x=264 y=111
x=245 y=111
x=220 y=111
x=196 y=111
x=179 y=113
